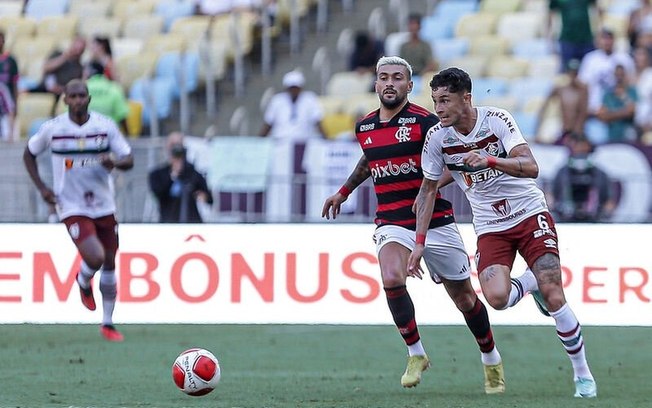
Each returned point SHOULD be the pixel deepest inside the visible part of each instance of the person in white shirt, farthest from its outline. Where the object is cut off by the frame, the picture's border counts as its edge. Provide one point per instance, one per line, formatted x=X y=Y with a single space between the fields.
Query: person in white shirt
x=597 y=68
x=485 y=153
x=294 y=114
x=85 y=147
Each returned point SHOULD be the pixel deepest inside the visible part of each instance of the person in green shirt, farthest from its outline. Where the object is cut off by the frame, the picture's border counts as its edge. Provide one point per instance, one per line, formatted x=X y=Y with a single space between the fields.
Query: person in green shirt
x=107 y=96
x=576 y=36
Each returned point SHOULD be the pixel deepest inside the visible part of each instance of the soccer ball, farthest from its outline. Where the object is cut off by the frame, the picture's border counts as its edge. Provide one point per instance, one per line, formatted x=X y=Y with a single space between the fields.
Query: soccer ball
x=196 y=372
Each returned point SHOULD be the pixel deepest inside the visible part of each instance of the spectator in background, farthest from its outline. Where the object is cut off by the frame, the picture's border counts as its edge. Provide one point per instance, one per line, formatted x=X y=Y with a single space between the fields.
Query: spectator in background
x=7 y=113
x=417 y=51
x=576 y=36
x=178 y=186
x=295 y=113
x=62 y=67
x=640 y=20
x=8 y=70
x=366 y=52
x=107 y=96
x=643 y=114
x=581 y=192
x=572 y=97
x=618 y=108
x=597 y=68
x=101 y=53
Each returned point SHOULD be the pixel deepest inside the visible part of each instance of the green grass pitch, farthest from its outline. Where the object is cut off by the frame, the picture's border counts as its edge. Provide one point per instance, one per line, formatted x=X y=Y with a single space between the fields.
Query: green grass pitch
x=313 y=366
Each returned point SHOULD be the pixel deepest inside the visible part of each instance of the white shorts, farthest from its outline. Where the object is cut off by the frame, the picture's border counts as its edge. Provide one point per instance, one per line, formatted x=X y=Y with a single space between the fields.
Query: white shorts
x=444 y=255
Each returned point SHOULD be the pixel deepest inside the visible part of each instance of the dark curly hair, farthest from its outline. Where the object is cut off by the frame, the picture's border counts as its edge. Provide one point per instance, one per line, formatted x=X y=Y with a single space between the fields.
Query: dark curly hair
x=455 y=79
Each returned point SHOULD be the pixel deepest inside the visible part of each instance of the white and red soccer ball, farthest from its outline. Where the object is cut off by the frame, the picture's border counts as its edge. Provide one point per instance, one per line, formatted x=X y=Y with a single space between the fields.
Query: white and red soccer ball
x=196 y=372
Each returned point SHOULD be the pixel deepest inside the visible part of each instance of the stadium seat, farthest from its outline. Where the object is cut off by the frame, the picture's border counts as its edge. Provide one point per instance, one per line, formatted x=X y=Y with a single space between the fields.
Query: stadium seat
x=478 y=24
x=488 y=86
x=520 y=26
x=130 y=8
x=506 y=102
x=105 y=26
x=454 y=9
x=436 y=28
x=132 y=67
x=394 y=41
x=174 y=64
x=474 y=65
x=346 y=83
x=142 y=26
x=11 y=8
x=213 y=60
x=156 y=96
x=336 y=123
x=16 y=27
x=33 y=107
x=37 y=9
x=544 y=67
x=192 y=29
x=532 y=48
x=123 y=46
x=446 y=49
x=500 y=6
x=171 y=10
x=527 y=123
x=360 y=103
x=507 y=67
x=530 y=87
x=135 y=118
x=331 y=103
x=240 y=24
x=85 y=8
x=617 y=23
x=165 y=42
x=61 y=27
x=27 y=49
x=488 y=45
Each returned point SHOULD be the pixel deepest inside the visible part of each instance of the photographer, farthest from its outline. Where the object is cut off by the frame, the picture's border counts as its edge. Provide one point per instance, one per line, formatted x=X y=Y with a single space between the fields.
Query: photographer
x=178 y=186
x=581 y=191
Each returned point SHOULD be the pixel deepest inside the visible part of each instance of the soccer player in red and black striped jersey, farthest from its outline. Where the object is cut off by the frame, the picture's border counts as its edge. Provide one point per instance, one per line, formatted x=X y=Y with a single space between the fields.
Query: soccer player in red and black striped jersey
x=392 y=139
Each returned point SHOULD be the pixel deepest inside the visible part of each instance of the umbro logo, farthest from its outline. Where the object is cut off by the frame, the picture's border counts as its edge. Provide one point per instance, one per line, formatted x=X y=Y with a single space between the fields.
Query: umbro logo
x=368 y=141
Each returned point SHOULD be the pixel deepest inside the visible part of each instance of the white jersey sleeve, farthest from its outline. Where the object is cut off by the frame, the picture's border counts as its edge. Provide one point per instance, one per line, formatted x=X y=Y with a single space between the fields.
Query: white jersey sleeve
x=432 y=160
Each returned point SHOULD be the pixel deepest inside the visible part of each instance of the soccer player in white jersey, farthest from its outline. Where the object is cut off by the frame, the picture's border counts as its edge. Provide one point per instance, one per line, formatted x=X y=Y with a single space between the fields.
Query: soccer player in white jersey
x=85 y=147
x=487 y=156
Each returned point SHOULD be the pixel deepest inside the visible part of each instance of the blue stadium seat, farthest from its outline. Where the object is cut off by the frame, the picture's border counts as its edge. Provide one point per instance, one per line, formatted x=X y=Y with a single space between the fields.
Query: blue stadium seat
x=38 y=9
x=435 y=27
x=527 y=122
x=171 y=10
x=530 y=87
x=487 y=86
x=158 y=90
x=173 y=64
x=446 y=49
x=532 y=48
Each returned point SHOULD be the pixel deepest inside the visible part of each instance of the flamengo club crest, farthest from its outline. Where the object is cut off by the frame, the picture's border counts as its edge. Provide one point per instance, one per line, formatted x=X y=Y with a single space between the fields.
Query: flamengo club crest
x=403 y=134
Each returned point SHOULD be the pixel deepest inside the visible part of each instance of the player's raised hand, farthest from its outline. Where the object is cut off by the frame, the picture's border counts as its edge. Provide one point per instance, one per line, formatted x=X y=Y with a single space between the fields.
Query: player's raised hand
x=332 y=206
x=476 y=160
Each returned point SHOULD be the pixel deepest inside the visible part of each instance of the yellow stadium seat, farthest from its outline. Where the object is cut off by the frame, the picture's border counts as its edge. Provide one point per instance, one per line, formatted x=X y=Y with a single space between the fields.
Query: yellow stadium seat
x=347 y=83
x=62 y=27
x=507 y=67
x=16 y=27
x=32 y=107
x=132 y=67
x=213 y=54
x=544 y=67
x=331 y=103
x=86 y=8
x=521 y=26
x=165 y=42
x=129 y=8
x=474 y=65
x=12 y=8
x=360 y=103
x=488 y=45
x=135 y=119
x=500 y=6
x=122 y=46
x=337 y=123
x=617 y=23
x=26 y=49
x=476 y=24
x=192 y=28
x=142 y=26
x=104 y=26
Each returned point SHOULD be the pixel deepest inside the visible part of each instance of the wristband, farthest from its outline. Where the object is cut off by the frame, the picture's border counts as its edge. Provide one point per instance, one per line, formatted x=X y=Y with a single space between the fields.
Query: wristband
x=491 y=162
x=344 y=190
x=421 y=239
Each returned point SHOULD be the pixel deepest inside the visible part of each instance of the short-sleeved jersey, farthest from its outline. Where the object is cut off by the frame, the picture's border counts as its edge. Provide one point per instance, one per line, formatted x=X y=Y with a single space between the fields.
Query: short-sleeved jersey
x=393 y=150
x=498 y=201
x=82 y=185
